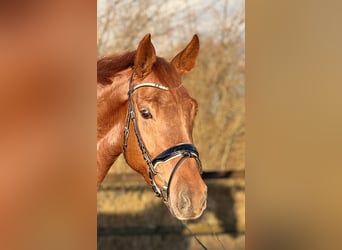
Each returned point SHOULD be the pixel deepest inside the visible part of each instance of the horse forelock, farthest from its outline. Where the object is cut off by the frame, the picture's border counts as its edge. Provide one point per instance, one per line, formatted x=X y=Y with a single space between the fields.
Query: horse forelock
x=111 y=66
x=108 y=67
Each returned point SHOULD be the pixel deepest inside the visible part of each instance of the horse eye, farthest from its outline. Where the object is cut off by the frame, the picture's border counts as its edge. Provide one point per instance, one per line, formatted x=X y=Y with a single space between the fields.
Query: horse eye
x=146 y=114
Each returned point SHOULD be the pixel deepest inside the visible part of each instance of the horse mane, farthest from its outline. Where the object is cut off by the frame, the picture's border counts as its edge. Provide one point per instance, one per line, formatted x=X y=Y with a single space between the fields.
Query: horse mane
x=108 y=67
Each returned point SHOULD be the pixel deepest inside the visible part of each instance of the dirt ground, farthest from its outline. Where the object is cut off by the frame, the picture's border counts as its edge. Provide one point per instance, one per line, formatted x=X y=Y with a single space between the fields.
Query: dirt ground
x=131 y=217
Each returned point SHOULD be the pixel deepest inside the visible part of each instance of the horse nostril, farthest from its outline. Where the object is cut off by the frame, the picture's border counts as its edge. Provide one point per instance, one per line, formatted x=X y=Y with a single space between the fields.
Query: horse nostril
x=184 y=201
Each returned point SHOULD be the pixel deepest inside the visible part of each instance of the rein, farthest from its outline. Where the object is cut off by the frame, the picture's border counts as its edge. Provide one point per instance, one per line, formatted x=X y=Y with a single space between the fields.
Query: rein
x=185 y=150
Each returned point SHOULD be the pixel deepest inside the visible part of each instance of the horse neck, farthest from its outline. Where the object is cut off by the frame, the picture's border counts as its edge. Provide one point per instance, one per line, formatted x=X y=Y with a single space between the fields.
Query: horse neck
x=111 y=115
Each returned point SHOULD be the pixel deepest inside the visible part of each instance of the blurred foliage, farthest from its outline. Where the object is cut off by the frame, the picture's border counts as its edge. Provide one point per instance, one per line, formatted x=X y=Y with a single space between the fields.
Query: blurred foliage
x=218 y=80
x=217 y=83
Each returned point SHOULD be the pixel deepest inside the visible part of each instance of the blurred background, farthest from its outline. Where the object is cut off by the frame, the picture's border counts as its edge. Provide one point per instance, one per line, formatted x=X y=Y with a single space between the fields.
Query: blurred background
x=129 y=216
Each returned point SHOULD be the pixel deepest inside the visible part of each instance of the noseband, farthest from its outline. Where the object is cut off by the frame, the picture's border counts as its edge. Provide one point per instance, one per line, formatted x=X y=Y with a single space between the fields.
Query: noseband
x=184 y=150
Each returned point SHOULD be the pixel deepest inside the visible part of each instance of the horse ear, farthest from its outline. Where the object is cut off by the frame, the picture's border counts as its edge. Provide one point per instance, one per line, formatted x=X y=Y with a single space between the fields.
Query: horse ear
x=145 y=56
x=185 y=60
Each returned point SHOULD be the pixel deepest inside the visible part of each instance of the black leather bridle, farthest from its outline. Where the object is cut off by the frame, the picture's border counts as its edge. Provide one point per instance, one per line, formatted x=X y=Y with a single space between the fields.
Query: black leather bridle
x=184 y=150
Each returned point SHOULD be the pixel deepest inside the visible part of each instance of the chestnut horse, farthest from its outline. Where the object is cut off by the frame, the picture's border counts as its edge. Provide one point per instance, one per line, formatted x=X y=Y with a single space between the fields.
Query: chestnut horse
x=144 y=112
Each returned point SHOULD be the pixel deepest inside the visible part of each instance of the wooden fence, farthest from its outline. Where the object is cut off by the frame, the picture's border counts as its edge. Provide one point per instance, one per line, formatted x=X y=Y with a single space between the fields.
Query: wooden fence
x=128 y=213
